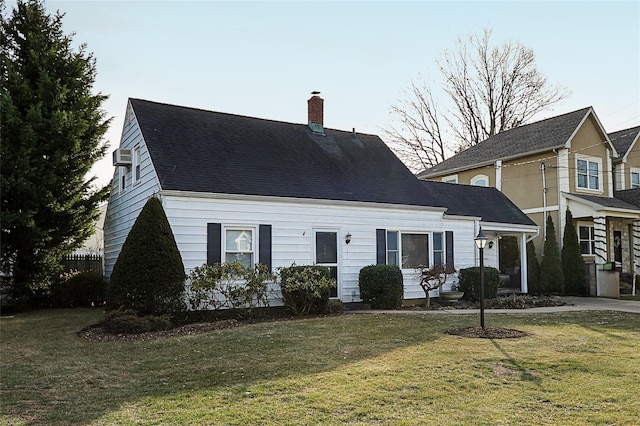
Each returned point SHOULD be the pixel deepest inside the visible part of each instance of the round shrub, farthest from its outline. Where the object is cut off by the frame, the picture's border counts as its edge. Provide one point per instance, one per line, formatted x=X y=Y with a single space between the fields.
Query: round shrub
x=381 y=286
x=148 y=276
x=470 y=282
x=306 y=289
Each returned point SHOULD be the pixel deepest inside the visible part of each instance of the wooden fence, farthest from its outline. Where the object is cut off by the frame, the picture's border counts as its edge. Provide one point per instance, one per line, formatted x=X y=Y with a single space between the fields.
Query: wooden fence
x=83 y=262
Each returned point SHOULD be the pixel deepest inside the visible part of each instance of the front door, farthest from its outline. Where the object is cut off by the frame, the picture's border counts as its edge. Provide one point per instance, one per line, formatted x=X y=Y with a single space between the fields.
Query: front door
x=326 y=254
x=617 y=249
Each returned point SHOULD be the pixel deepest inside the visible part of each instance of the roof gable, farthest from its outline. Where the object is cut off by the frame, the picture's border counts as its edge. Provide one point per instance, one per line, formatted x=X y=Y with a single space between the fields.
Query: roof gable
x=544 y=135
x=624 y=141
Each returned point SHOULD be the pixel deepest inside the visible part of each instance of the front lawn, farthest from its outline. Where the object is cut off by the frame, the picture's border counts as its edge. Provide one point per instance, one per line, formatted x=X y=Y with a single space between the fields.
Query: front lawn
x=575 y=368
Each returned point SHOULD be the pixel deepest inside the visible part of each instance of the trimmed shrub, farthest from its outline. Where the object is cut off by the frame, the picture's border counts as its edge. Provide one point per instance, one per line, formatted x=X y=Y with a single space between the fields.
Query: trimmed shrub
x=306 y=289
x=575 y=280
x=229 y=285
x=533 y=269
x=470 y=282
x=148 y=276
x=128 y=321
x=381 y=286
x=551 y=276
x=79 y=289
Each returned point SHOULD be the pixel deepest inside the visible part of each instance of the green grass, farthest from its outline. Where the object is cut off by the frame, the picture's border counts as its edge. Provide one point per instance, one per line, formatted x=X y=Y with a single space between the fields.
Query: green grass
x=575 y=368
x=630 y=297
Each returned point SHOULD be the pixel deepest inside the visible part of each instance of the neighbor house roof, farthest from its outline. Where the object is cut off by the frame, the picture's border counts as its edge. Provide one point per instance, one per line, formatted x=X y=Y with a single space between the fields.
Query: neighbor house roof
x=616 y=202
x=540 y=136
x=623 y=140
x=631 y=196
x=211 y=152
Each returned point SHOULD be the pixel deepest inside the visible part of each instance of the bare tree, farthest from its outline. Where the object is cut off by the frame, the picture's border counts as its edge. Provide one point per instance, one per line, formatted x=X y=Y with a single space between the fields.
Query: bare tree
x=487 y=89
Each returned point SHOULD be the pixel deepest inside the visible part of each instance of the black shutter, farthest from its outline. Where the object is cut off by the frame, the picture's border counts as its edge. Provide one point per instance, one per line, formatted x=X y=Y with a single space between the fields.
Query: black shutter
x=449 y=245
x=381 y=246
x=214 y=243
x=264 y=255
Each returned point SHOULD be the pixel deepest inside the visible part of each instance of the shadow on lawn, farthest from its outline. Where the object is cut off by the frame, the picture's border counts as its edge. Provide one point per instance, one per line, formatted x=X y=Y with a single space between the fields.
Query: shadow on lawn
x=516 y=366
x=68 y=380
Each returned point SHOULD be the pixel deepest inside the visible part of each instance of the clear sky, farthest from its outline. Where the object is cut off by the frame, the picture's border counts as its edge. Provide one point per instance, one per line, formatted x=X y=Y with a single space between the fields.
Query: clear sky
x=262 y=59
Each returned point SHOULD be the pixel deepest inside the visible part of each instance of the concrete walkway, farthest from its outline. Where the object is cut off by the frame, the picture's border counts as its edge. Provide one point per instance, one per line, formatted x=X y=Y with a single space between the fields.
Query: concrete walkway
x=574 y=304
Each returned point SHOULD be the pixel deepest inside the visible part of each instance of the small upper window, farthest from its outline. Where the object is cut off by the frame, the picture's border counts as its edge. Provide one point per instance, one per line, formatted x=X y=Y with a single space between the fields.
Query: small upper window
x=635 y=178
x=136 y=165
x=450 y=179
x=480 y=180
x=123 y=179
x=588 y=173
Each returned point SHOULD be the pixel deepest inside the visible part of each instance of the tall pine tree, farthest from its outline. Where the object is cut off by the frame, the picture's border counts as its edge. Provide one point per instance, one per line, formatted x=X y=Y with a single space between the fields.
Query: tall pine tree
x=572 y=261
x=551 y=276
x=52 y=130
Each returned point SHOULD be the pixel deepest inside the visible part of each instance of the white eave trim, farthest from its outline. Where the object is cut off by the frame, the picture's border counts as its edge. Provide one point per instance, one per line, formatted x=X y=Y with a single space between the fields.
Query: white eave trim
x=509 y=227
x=263 y=198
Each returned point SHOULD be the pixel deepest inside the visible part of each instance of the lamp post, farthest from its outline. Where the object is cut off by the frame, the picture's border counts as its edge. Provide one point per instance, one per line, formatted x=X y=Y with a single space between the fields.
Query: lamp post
x=481 y=242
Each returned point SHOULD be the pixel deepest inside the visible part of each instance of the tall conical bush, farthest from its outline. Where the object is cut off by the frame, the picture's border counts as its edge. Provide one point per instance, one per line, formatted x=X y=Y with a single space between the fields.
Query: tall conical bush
x=148 y=276
x=533 y=269
x=551 y=276
x=572 y=261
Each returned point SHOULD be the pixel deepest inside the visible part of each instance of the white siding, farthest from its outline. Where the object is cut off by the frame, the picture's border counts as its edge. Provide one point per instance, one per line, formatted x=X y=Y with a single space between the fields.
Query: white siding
x=124 y=206
x=293 y=222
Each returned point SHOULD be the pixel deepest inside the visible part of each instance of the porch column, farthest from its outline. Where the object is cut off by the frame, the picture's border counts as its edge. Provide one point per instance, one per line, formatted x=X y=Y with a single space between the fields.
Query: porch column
x=635 y=241
x=600 y=235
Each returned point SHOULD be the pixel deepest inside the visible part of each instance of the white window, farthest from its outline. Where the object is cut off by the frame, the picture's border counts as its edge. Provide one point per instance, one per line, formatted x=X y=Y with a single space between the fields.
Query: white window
x=136 y=165
x=450 y=179
x=393 y=250
x=438 y=248
x=123 y=179
x=635 y=177
x=239 y=246
x=415 y=250
x=588 y=172
x=480 y=180
x=586 y=236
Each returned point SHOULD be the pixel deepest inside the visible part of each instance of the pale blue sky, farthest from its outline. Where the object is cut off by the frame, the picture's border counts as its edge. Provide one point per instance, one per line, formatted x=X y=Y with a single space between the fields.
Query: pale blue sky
x=262 y=59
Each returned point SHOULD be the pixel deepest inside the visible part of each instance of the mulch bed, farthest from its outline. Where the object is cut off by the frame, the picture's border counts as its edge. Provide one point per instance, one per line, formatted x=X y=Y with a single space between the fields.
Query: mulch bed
x=487 y=333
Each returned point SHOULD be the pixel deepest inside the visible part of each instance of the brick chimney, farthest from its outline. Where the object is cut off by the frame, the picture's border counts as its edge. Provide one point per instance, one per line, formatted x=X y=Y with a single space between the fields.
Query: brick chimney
x=315 y=108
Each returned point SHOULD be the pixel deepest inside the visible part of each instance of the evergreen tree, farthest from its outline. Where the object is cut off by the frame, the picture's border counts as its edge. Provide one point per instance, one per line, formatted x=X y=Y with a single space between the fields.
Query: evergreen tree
x=52 y=129
x=533 y=269
x=572 y=261
x=551 y=276
x=148 y=276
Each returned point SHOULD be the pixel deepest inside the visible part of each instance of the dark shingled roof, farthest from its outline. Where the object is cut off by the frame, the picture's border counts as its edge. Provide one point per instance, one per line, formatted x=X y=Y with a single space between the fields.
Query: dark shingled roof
x=543 y=135
x=623 y=139
x=631 y=196
x=204 y=151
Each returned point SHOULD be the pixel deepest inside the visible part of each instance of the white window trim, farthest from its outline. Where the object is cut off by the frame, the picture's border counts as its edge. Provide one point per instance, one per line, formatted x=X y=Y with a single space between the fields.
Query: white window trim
x=136 y=168
x=476 y=178
x=122 y=179
x=450 y=179
x=634 y=170
x=430 y=256
x=254 y=240
x=592 y=242
x=589 y=159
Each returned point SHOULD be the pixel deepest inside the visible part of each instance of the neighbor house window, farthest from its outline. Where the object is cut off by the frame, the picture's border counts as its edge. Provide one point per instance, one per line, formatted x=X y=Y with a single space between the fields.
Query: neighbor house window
x=586 y=236
x=588 y=173
x=480 y=180
x=393 y=252
x=635 y=178
x=136 y=165
x=415 y=250
x=239 y=246
x=450 y=179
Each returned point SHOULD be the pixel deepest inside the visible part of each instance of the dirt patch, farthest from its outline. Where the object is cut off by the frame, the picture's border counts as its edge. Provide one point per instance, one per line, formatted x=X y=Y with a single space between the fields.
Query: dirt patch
x=487 y=333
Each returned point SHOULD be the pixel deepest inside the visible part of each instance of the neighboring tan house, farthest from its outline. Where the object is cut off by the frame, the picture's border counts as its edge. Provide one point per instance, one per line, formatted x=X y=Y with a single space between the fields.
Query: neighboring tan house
x=627 y=165
x=256 y=190
x=94 y=245
x=558 y=163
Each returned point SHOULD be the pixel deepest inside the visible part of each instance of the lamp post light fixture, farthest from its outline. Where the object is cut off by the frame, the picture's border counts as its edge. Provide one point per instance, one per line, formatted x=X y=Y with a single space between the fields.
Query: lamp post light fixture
x=481 y=242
